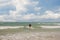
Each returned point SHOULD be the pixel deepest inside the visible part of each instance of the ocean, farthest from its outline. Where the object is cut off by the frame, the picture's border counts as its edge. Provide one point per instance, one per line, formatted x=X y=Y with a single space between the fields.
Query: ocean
x=7 y=25
x=20 y=30
x=27 y=23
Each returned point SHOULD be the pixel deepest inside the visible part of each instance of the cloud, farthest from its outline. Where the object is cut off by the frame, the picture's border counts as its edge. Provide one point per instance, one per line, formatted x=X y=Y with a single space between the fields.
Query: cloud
x=6 y=18
x=47 y=15
x=28 y=16
x=13 y=17
x=5 y=2
x=51 y=15
x=1 y=18
x=20 y=5
x=34 y=3
x=17 y=15
x=37 y=9
x=21 y=9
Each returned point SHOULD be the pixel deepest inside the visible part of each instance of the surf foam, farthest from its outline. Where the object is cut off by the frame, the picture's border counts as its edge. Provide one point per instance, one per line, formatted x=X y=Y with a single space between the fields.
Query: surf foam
x=10 y=27
x=50 y=26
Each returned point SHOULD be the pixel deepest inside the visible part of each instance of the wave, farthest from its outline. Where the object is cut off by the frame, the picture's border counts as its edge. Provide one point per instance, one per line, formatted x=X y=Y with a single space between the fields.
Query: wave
x=50 y=26
x=10 y=27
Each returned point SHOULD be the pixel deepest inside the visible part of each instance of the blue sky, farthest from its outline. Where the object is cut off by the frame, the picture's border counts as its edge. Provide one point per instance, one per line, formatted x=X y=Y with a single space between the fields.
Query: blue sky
x=30 y=10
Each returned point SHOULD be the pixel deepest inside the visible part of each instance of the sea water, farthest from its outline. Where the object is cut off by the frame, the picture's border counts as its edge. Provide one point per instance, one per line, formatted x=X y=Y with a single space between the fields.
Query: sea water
x=6 y=25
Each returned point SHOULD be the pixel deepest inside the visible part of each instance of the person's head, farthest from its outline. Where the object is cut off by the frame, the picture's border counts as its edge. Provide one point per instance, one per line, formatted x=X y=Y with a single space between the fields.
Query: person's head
x=29 y=25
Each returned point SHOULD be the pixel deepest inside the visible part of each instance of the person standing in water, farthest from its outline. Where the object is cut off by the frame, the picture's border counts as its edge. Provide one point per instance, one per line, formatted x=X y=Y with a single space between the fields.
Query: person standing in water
x=30 y=25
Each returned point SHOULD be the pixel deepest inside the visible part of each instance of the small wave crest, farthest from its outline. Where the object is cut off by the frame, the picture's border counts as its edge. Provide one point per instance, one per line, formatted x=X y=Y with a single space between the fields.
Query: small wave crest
x=10 y=27
x=50 y=26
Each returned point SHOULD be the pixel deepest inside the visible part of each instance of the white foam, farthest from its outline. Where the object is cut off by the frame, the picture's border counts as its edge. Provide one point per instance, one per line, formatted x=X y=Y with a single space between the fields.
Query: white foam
x=10 y=27
x=30 y=27
x=50 y=26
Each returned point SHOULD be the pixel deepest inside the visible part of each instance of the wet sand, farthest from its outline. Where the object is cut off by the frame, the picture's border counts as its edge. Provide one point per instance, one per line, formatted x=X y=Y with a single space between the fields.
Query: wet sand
x=32 y=36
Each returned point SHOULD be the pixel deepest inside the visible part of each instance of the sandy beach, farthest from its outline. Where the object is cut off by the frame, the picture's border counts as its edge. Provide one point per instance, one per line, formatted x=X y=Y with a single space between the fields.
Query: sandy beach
x=32 y=36
x=21 y=33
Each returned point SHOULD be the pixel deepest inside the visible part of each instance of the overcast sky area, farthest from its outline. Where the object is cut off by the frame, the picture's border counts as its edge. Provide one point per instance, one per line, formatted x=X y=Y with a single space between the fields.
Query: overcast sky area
x=29 y=10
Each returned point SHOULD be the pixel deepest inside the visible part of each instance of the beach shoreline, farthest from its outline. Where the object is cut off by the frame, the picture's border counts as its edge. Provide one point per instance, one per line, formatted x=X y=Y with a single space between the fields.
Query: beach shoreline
x=13 y=33
x=32 y=36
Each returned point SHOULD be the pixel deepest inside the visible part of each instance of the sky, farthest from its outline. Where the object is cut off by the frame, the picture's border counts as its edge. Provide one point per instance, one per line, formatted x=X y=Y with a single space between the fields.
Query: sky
x=29 y=10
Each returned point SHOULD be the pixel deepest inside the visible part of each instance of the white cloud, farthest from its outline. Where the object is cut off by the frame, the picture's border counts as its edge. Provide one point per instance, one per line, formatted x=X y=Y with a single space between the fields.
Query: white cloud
x=1 y=18
x=34 y=3
x=47 y=15
x=51 y=15
x=5 y=2
x=5 y=18
x=9 y=20
x=37 y=9
x=15 y=16
x=20 y=5
x=28 y=16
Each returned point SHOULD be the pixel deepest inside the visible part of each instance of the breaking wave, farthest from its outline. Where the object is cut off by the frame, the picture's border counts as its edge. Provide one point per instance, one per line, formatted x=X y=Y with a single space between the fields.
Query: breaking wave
x=10 y=27
x=50 y=26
